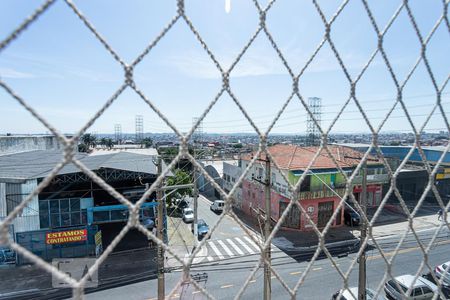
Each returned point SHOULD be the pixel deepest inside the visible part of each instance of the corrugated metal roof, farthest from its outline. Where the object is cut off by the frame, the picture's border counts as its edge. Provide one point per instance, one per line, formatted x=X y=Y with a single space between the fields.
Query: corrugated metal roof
x=39 y=163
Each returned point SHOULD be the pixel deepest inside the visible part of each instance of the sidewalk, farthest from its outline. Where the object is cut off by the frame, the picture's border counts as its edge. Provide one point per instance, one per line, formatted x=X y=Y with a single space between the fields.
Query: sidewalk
x=390 y=222
x=286 y=239
x=181 y=240
x=398 y=228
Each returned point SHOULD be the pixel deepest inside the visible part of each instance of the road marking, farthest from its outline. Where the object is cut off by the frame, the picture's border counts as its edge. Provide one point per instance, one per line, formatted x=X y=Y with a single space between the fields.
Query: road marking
x=196 y=292
x=209 y=258
x=227 y=250
x=226 y=286
x=316 y=269
x=296 y=273
x=219 y=254
x=249 y=240
x=235 y=247
x=387 y=254
x=245 y=246
x=260 y=239
x=252 y=281
x=273 y=276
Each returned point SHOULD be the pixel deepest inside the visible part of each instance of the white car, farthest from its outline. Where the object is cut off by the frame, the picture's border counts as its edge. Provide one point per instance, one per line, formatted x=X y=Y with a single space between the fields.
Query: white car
x=346 y=295
x=217 y=205
x=188 y=215
x=422 y=288
x=443 y=271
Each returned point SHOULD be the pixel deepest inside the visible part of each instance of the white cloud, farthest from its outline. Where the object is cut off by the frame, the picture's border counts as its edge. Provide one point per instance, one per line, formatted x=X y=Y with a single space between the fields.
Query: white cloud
x=261 y=64
x=14 y=74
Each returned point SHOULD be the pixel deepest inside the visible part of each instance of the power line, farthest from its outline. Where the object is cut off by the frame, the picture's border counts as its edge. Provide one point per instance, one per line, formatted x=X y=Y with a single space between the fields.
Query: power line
x=305 y=115
x=265 y=116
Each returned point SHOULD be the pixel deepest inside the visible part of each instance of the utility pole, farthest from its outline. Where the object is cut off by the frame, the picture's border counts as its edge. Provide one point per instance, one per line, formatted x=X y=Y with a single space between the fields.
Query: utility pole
x=267 y=229
x=195 y=209
x=362 y=257
x=159 y=233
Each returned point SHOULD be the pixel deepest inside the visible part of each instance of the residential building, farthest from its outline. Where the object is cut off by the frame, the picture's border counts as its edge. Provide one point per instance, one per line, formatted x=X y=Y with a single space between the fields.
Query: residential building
x=321 y=190
x=231 y=173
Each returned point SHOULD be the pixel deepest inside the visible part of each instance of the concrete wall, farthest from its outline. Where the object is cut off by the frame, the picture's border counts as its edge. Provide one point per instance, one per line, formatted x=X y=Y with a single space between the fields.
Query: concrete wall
x=205 y=187
x=231 y=174
x=14 y=144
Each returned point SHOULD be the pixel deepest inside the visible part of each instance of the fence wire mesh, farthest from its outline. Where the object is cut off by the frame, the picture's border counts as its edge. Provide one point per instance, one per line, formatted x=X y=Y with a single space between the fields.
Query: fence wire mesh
x=180 y=16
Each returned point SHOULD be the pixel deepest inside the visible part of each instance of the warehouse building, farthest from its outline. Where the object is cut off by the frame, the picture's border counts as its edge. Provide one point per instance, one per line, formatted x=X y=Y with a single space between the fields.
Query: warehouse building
x=73 y=212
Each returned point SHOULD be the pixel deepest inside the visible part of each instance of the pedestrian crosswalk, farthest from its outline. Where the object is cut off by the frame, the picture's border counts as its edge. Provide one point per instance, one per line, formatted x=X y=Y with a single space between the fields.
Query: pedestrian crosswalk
x=231 y=247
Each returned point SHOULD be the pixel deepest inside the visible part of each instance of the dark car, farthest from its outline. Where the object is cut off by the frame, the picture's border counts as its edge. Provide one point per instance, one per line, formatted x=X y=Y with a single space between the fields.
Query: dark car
x=351 y=218
x=181 y=204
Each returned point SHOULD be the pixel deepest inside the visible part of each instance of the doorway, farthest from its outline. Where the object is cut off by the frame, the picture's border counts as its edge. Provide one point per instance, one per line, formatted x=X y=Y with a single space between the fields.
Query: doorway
x=325 y=213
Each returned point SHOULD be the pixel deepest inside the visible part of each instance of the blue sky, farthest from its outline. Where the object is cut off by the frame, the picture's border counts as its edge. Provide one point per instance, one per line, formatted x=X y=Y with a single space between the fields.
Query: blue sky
x=66 y=74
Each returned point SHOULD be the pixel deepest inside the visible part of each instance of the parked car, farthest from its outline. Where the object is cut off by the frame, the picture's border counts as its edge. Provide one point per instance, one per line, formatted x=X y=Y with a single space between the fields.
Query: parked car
x=202 y=229
x=445 y=289
x=188 y=215
x=351 y=218
x=181 y=204
x=422 y=288
x=443 y=271
x=346 y=295
x=217 y=206
x=148 y=223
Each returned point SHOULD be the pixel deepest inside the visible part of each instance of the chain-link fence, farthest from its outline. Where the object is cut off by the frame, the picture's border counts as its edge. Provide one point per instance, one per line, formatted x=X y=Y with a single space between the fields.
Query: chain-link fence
x=263 y=152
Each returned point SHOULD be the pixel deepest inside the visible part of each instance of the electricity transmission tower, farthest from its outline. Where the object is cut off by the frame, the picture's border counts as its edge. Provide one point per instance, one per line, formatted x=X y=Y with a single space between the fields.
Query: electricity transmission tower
x=139 y=128
x=312 y=131
x=118 y=133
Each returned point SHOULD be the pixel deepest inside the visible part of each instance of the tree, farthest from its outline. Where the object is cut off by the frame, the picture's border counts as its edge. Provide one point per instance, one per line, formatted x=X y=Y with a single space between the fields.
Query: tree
x=89 y=140
x=107 y=142
x=180 y=177
x=147 y=142
x=82 y=148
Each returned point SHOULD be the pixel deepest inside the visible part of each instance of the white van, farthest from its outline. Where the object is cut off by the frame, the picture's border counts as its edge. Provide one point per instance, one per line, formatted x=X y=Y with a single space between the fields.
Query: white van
x=217 y=206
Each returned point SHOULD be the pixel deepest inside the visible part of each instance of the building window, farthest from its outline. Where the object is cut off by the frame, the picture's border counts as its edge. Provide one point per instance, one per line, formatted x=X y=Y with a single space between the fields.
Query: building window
x=55 y=213
x=306 y=184
x=260 y=172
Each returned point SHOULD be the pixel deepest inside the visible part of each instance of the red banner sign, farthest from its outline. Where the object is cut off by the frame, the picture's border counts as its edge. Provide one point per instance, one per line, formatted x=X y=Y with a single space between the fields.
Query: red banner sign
x=62 y=237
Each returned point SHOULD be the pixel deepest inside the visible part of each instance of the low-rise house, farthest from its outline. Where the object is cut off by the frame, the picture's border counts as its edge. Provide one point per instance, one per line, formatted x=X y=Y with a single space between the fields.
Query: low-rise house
x=320 y=191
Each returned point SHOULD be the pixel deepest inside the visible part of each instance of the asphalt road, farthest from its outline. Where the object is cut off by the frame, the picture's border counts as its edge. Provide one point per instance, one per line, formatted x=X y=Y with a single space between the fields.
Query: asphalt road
x=226 y=273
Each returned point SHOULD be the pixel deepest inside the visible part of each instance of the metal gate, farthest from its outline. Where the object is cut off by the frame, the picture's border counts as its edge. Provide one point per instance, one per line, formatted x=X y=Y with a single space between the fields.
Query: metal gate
x=325 y=213
x=292 y=219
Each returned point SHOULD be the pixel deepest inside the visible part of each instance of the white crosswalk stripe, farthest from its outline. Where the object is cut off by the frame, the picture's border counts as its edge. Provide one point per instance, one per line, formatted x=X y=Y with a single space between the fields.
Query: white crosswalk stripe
x=219 y=254
x=235 y=247
x=232 y=247
x=260 y=239
x=250 y=241
x=249 y=250
x=227 y=250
